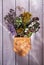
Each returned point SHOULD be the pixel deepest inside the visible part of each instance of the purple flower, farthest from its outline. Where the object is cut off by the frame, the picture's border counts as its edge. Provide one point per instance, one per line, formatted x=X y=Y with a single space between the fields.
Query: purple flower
x=11 y=29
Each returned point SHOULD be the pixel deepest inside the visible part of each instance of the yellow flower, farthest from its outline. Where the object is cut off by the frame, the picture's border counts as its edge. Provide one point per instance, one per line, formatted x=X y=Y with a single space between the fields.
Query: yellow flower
x=19 y=30
x=26 y=16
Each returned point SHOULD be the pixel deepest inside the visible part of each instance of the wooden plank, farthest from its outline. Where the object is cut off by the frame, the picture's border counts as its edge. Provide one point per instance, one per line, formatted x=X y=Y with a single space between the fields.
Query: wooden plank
x=0 y=32
x=22 y=60
x=8 y=54
x=36 y=52
x=43 y=32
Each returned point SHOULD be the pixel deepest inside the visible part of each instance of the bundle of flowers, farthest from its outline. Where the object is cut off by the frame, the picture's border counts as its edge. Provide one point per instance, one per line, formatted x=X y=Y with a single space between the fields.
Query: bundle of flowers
x=22 y=26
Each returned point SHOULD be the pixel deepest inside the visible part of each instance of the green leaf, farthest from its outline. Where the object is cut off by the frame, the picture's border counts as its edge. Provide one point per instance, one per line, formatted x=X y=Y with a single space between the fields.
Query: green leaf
x=29 y=35
x=19 y=20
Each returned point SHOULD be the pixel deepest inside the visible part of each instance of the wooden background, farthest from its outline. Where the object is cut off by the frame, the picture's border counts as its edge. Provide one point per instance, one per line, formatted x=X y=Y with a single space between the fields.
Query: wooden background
x=36 y=55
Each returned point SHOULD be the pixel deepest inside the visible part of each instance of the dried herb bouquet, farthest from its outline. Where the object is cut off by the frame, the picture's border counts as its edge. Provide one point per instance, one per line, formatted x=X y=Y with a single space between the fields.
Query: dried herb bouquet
x=22 y=26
